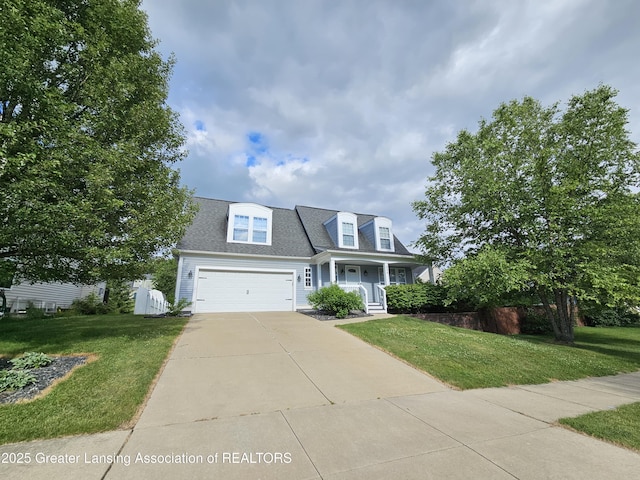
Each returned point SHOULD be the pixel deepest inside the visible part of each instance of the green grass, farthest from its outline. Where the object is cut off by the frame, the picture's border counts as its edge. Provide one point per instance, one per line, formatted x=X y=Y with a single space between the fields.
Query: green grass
x=470 y=359
x=100 y=396
x=620 y=426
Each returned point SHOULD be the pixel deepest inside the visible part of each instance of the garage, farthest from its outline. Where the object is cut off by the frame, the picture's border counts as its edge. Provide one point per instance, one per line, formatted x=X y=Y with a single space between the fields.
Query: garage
x=244 y=291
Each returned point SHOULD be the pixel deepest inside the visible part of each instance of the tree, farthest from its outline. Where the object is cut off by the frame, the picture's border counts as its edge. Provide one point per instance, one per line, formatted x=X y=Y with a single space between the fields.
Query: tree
x=547 y=199
x=165 y=271
x=87 y=142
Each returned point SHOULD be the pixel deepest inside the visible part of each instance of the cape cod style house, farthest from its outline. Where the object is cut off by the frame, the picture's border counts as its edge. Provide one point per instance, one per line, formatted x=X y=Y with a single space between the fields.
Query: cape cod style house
x=238 y=257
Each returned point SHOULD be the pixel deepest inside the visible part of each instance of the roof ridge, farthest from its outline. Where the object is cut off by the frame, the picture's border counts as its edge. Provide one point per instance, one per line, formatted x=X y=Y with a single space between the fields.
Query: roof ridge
x=236 y=201
x=334 y=210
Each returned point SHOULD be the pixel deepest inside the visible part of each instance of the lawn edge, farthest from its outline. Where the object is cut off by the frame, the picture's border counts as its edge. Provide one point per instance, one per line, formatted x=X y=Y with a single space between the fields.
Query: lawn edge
x=131 y=423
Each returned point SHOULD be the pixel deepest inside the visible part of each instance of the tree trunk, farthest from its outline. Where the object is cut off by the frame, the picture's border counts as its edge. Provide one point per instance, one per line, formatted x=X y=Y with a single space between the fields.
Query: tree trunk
x=549 y=312
x=565 y=319
x=559 y=317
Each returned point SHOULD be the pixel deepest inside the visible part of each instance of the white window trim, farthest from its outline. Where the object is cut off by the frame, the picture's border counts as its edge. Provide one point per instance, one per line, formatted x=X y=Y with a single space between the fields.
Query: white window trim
x=383 y=222
x=346 y=217
x=251 y=210
x=395 y=271
x=308 y=275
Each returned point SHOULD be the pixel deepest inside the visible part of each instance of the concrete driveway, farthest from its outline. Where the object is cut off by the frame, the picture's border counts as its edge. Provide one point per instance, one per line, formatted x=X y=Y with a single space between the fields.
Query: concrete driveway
x=284 y=396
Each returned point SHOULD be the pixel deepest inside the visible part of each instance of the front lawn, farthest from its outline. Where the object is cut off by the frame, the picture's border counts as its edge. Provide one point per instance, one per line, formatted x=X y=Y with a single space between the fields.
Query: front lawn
x=100 y=396
x=470 y=359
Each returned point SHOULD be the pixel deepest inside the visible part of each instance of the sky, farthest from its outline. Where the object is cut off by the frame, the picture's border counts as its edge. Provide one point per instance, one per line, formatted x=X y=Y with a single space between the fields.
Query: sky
x=341 y=104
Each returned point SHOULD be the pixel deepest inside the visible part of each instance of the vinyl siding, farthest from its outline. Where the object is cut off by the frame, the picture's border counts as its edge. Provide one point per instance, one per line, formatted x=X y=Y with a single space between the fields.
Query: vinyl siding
x=47 y=295
x=368 y=230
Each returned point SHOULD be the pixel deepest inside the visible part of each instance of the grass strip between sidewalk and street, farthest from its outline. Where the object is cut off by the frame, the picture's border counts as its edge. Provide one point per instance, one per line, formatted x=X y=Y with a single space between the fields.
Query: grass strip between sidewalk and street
x=102 y=395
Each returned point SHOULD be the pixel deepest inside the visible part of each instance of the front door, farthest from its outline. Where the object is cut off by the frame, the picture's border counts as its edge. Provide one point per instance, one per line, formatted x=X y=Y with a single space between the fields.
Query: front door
x=352 y=274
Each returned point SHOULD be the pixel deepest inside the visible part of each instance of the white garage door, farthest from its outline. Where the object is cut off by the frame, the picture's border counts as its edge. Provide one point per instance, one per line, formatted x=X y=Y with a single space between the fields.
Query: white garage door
x=233 y=291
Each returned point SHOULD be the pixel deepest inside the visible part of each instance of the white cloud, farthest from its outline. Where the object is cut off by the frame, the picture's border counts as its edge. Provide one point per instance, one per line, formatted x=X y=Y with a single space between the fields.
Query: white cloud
x=354 y=97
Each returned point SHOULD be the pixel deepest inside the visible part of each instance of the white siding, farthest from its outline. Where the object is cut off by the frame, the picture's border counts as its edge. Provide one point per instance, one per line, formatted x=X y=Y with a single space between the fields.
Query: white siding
x=49 y=296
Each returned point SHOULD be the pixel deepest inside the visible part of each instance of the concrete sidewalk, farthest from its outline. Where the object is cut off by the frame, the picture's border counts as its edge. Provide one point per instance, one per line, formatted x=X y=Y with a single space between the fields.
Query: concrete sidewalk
x=283 y=396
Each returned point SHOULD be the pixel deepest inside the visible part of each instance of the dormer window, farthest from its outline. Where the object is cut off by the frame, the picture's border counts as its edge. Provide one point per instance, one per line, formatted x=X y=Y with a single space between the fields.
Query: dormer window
x=343 y=230
x=249 y=223
x=379 y=232
x=384 y=234
x=348 y=236
x=385 y=238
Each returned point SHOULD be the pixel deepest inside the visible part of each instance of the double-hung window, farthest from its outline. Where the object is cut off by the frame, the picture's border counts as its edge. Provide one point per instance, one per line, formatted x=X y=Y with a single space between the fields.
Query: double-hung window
x=241 y=228
x=259 y=230
x=385 y=238
x=348 y=236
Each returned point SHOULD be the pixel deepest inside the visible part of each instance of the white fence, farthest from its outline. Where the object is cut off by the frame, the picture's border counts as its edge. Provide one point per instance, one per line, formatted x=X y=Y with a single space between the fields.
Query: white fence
x=149 y=302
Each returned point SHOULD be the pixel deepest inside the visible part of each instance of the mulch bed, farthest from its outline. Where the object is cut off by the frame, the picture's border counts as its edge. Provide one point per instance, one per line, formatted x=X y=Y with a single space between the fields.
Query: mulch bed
x=320 y=315
x=45 y=376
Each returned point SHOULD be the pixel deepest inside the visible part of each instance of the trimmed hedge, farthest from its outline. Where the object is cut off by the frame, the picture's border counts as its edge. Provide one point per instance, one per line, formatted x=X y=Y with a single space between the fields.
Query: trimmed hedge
x=415 y=298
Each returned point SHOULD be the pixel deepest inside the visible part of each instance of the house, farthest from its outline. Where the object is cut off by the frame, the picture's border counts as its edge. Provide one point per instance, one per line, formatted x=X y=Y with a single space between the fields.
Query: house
x=249 y=257
x=47 y=296
x=428 y=274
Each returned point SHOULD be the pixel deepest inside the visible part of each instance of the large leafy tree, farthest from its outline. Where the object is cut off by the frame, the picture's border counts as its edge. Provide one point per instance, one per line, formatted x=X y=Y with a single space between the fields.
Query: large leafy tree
x=87 y=142
x=540 y=198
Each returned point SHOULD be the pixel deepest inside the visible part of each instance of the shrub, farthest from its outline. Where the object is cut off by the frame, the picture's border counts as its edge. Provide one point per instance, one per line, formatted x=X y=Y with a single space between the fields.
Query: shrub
x=414 y=298
x=176 y=308
x=90 y=305
x=602 y=316
x=15 y=379
x=335 y=301
x=535 y=322
x=31 y=360
x=35 y=313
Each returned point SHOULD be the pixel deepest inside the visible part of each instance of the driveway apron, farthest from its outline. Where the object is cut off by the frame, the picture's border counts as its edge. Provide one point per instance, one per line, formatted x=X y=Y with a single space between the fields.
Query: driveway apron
x=284 y=396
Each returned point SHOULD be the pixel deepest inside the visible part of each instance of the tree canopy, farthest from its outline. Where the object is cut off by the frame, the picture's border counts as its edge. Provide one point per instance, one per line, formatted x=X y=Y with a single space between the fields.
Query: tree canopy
x=87 y=142
x=540 y=198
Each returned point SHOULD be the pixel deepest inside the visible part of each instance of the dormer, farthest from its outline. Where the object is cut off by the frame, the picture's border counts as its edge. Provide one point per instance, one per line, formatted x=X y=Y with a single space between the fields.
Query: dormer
x=249 y=223
x=379 y=232
x=343 y=230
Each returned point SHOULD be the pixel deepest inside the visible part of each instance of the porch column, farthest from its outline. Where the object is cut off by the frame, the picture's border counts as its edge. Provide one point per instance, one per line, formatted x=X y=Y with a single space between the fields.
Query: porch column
x=319 y=275
x=385 y=269
x=332 y=270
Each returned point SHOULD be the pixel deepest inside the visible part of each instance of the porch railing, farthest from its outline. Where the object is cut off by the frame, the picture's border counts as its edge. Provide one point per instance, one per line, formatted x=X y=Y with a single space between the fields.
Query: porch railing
x=382 y=295
x=361 y=291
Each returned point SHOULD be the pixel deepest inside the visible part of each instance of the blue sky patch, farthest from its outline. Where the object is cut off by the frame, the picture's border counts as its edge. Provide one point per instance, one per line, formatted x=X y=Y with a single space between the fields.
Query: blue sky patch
x=251 y=161
x=257 y=142
x=200 y=126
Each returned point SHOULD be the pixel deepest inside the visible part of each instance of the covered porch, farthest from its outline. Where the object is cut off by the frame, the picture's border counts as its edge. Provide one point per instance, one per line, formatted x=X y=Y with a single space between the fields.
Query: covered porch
x=367 y=275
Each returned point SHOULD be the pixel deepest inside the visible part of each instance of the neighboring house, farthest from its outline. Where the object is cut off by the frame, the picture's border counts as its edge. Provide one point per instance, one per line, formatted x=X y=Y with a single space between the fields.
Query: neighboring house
x=48 y=296
x=428 y=274
x=248 y=257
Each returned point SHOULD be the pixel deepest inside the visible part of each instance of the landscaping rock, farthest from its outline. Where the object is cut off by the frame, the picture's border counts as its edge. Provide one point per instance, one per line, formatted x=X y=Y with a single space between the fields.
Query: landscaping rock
x=45 y=376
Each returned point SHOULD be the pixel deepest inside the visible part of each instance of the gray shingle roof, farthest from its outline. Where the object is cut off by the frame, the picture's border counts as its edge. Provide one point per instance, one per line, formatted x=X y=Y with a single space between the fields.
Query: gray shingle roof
x=296 y=233
x=313 y=220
